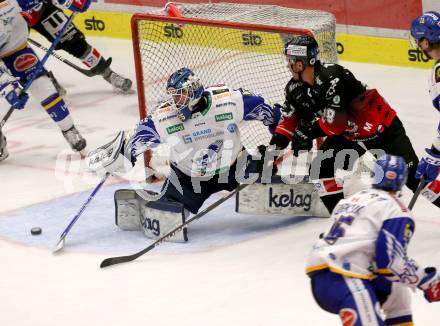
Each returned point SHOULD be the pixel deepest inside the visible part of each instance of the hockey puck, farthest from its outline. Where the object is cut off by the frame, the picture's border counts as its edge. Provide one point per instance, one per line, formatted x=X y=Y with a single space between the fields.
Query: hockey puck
x=36 y=231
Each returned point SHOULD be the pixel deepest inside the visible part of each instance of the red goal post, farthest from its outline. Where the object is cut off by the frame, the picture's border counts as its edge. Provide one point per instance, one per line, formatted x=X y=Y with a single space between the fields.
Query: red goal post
x=239 y=54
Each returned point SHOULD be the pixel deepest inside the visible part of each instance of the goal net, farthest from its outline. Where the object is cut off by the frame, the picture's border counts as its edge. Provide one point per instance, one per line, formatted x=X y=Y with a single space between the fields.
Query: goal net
x=223 y=43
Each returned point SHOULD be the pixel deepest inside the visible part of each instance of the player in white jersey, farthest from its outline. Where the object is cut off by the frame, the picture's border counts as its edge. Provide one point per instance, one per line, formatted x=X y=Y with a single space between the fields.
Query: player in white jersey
x=201 y=126
x=18 y=62
x=361 y=265
x=425 y=34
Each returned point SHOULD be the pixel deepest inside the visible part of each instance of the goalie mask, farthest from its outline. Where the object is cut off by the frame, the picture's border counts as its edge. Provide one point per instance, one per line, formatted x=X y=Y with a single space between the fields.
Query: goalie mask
x=186 y=91
x=426 y=26
x=302 y=48
x=390 y=173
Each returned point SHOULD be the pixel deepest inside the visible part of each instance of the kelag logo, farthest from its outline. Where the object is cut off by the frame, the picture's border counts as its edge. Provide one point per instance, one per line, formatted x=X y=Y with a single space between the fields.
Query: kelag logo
x=151 y=224
x=417 y=55
x=94 y=24
x=290 y=200
x=252 y=39
x=173 y=31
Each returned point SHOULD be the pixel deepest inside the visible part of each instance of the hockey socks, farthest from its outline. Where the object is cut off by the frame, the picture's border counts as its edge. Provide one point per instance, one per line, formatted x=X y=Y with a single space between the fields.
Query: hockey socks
x=92 y=57
x=58 y=111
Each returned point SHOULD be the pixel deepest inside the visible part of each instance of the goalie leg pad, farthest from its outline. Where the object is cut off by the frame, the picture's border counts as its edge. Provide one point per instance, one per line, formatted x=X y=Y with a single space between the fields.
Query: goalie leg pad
x=161 y=216
x=127 y=210
x=154 y=218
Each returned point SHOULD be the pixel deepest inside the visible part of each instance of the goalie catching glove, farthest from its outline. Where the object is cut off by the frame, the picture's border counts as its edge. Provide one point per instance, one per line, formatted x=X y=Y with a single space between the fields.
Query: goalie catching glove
x=113 y=157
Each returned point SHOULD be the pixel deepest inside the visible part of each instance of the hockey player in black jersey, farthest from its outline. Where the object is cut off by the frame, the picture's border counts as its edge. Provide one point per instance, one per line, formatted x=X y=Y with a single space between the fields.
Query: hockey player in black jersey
x=326 y=100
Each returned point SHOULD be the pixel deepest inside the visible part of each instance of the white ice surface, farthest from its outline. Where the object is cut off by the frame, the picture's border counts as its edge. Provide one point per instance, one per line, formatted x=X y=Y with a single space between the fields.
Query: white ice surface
x=236 y=270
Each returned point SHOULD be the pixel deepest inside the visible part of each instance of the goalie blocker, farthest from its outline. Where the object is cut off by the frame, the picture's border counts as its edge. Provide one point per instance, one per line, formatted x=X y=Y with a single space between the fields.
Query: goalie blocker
x=133 y=211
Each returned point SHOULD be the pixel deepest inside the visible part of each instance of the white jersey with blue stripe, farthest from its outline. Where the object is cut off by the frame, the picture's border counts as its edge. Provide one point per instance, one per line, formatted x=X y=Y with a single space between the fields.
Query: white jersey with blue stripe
x=13 y=28
x=434 y=92
x=369 y=236
x=209 y=142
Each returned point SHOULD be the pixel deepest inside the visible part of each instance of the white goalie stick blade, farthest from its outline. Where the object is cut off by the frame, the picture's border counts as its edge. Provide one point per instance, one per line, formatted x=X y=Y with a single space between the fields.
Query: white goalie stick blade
x=60 y=245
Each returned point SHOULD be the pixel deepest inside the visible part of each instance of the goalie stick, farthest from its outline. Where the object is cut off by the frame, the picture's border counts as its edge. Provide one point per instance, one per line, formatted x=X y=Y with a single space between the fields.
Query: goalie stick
x=87 y=72
x=40 y=67
x=125 y=259
x=60 y=244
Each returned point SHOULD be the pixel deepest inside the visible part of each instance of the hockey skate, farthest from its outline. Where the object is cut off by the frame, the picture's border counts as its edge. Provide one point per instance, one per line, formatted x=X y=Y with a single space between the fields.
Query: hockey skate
x=75 y=140
x=117 y=81
x=3 y=149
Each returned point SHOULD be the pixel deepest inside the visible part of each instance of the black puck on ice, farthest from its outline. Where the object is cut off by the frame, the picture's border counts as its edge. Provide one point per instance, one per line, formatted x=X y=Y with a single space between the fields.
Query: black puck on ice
x=36 y=231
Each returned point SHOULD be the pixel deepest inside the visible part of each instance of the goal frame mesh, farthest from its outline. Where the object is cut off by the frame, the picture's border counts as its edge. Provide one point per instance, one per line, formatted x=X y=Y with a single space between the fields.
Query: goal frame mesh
x=136 y=37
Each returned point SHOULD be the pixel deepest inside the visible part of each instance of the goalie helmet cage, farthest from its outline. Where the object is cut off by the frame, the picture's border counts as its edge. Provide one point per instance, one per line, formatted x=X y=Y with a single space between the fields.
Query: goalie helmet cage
x=223 y=43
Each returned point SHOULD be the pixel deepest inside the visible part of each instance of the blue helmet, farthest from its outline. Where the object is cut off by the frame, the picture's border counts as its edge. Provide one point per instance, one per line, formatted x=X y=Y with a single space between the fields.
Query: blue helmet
x=185 y=88
x=426 y=26
x=304 y=48
x=390 y=173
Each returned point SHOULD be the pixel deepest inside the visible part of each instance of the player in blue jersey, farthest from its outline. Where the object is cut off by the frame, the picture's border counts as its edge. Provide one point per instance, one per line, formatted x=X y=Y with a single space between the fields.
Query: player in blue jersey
x=425 y=34
x=360 y=264
x=18 y=62
x=47 y=18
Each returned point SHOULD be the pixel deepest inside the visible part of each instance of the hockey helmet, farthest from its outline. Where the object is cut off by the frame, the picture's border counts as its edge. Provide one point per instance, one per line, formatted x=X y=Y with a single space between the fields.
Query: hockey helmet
x=185 y=88
x=304 y=48
x=426 y=26
x=390 y=173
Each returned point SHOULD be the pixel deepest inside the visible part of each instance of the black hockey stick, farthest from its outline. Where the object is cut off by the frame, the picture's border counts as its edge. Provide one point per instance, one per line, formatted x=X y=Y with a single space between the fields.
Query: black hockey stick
x=125 y=259
x=417 y=193
x=87 y=72
x=40 y=67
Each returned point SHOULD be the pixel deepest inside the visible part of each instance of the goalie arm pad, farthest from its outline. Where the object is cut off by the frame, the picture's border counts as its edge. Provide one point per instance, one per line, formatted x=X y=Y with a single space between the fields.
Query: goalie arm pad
x=255 y=108
x=391 y=256
x=144 y=137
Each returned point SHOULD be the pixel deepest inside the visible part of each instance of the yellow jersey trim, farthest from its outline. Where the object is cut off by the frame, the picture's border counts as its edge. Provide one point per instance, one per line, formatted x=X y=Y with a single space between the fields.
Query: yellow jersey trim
x=21 y=47
x=338 y=271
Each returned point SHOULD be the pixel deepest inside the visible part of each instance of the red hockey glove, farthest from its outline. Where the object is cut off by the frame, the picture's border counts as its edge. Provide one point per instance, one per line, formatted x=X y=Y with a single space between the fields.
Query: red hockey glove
x=430 y=284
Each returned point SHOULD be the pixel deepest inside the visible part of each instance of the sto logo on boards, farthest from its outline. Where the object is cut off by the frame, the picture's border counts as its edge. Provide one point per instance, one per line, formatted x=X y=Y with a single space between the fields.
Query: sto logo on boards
x=417 y=55
x=94 y=24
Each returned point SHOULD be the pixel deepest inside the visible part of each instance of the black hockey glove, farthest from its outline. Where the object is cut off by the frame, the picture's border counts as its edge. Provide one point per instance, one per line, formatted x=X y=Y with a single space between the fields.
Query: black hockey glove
x=280 y=141
x=257 y=166
x=302 y=138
